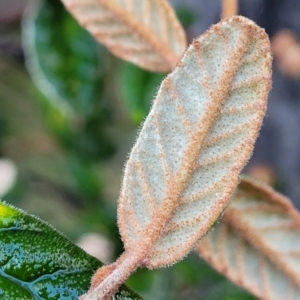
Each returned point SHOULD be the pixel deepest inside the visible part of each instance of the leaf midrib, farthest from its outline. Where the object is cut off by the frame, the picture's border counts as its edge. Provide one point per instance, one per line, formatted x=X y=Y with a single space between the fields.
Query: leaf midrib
x=164 y=213
x=242 y=227
x=143 y=32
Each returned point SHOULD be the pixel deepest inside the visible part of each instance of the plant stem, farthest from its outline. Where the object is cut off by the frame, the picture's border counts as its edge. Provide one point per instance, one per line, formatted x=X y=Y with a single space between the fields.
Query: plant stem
x=108 y=279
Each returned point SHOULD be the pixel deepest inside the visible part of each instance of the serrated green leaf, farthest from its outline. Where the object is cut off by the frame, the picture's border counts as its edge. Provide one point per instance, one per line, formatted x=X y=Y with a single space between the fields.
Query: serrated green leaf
x=62 y=57
x=38 y=262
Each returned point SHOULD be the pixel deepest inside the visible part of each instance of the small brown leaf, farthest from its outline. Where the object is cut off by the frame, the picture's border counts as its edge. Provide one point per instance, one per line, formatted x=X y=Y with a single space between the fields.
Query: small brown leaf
x=257 y=243
x=146 y=33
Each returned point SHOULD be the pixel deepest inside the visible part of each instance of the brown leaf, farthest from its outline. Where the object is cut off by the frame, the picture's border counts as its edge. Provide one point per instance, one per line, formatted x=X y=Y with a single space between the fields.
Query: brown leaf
x=200 y=132
x=198 y=135
x=146 y=33
x=257 y=244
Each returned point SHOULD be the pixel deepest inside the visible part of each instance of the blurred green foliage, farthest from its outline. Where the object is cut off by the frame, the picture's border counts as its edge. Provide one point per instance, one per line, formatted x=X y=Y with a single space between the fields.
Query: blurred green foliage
x=69 y=138
x=66 y=64
x=138 y=88
x=64 y=59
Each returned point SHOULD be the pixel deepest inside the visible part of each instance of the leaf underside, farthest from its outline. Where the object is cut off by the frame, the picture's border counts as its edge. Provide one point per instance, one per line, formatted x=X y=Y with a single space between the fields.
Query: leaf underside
x=199 y=134
x=37 y=262
x=146 y=33
x=257 y=243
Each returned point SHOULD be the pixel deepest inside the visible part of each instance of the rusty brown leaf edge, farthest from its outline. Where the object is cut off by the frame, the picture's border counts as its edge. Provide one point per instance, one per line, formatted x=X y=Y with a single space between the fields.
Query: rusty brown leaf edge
x=257 y=243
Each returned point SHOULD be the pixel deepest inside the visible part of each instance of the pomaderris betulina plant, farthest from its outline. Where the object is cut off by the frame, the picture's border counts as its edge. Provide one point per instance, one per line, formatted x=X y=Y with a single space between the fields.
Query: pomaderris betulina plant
x=185 y=164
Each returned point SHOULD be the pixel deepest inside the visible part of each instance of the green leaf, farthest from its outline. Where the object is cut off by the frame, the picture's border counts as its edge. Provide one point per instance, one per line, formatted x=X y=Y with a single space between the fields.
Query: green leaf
x=138 y=87
x=38 y=262
x=226 y=290
x=67 y=66
x=62 y=57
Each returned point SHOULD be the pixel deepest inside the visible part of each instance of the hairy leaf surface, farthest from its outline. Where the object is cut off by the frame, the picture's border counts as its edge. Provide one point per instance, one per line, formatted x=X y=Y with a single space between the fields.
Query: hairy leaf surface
x=199 y=134
x=143 y=32
x=37 y=262
x=257 y=243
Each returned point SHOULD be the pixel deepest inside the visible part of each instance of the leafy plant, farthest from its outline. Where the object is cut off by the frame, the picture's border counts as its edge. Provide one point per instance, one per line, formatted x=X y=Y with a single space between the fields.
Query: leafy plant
x=145 y=33
x=185 y=164
x=55 y=270
x=183 y=169
x=256 y=244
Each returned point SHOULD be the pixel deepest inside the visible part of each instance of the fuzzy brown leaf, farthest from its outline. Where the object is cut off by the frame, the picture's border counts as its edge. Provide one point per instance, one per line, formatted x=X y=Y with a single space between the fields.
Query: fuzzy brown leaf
x=146 y=33
x=200 y=132
x=257 y=243
x=198 y=135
